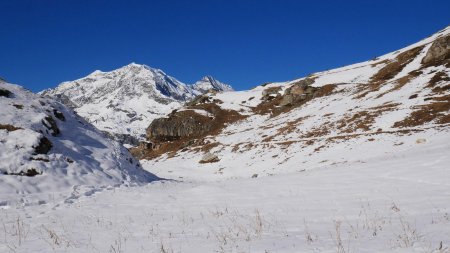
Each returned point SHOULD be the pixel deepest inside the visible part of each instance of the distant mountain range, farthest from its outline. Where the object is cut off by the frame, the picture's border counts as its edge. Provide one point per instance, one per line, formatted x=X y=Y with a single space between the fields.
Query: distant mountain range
x=123 y=102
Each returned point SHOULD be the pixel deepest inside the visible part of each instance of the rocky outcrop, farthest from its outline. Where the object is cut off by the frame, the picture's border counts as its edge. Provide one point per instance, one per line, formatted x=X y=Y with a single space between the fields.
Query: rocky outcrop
x=179 y=125
x=270 y=93
x=185 y=128
x=43 y=147
x=298 y=92
x=5 y=93
x=51 y=125
x=439 y=51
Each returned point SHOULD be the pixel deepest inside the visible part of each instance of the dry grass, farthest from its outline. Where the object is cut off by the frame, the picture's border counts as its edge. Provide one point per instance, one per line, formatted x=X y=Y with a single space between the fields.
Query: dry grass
x=434 y=112
x=388 y=72
x=437 y=78
x=9 y=128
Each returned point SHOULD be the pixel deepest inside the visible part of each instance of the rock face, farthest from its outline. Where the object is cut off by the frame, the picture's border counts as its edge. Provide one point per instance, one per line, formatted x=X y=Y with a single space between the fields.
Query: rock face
x=439 y=50
x=298 y=92
x=5 y=93
x=178 y=125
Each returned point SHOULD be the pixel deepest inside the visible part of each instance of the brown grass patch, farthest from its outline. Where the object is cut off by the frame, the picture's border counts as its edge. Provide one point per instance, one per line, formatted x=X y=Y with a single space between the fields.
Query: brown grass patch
x=363 y=120
x=272 y=106
x=9 y=128
x=386 y=61
x=290 y=126
x=325 y=90
x=437 y=78
x=437 y=112
x=401 y=82
x=389 y=71
x=393 y=68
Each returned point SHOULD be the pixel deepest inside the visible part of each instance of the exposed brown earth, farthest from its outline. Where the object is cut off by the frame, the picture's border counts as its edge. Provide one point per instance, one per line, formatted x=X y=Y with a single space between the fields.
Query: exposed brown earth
x=9 y=128
x=389 y=71
x=437 y=112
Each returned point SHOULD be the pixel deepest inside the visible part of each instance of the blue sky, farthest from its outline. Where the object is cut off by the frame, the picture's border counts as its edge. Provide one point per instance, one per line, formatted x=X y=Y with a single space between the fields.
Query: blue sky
x=243 y=43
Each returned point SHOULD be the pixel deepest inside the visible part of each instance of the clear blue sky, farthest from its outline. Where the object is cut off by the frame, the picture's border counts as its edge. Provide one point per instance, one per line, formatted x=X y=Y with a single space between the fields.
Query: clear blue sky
x=243 y=43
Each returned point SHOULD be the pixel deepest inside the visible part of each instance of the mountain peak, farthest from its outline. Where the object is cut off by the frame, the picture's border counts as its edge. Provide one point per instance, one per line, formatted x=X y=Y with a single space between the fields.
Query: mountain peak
x=210 y=83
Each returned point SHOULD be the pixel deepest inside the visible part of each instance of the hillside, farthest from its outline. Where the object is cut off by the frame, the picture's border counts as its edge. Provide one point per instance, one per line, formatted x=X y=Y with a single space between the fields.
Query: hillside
x=124 y=101
x=45 y=147
x=351 y=114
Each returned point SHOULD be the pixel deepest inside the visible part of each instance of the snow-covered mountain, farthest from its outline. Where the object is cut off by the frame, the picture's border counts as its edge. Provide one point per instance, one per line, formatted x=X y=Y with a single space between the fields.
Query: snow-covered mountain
x=123 y=102
x=45 y=147
x=208 y=83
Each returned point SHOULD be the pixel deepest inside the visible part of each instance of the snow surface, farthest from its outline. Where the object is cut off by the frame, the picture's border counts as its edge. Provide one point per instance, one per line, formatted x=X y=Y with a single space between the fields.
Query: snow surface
x=395 y=202
x=80 y=156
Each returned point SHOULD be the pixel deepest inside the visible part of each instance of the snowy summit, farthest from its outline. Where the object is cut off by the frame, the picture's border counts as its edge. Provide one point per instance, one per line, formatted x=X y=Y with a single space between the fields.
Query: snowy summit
x=123 y=102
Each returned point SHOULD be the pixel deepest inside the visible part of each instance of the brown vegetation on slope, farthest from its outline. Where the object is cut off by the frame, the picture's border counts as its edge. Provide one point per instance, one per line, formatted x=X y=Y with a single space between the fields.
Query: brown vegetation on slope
x=184 y=129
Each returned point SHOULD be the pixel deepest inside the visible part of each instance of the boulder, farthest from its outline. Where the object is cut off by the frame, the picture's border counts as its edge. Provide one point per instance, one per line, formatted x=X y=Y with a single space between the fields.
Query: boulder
x=298 y=92
x=185 y=124
x=439 y=50
x=270 y=93
x=209 y=158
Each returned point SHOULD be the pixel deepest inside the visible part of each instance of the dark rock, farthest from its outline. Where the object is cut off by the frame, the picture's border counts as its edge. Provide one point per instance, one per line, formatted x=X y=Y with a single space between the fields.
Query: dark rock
x=439 y=51
x=5 y=93
x=31 y=172
x=298 y=92
x=146 y=145
x=28 y=173
x=51 y=125
x=270 y=93
x=179 y=125
x=202 y=99
x=59 y=115
x=44 y=146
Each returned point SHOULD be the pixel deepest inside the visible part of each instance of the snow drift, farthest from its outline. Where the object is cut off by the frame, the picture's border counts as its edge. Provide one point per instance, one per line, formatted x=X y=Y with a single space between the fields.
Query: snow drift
x=45 y=147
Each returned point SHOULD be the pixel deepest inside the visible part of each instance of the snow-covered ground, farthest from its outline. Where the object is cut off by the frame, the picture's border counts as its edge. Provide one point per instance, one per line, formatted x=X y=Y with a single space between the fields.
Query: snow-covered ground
x=397 y=202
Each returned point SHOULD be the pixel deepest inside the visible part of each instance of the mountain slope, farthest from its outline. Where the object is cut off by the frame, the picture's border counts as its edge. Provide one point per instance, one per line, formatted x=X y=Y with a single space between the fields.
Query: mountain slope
x=45 y=147
x=208 y=83
x=124 y=101
x=346 y=115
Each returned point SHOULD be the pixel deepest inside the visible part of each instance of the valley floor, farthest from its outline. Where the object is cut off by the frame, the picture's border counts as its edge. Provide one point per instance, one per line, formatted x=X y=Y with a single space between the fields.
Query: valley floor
x=398 y=202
